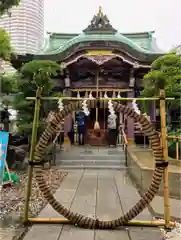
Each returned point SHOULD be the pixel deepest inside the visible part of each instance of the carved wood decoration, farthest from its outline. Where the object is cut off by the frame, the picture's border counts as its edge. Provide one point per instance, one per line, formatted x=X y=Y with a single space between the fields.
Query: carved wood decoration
x=100 y=60
x=90 y=83
x=119 y=48
x=76 y=56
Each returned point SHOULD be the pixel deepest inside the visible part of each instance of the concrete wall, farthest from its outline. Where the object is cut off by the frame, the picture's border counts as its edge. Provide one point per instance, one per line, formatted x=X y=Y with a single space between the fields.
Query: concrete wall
x=142 y=176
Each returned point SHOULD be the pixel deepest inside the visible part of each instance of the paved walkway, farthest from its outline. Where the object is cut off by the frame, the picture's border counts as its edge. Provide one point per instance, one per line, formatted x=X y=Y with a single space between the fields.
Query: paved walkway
x=175 y=208
x=103 y=194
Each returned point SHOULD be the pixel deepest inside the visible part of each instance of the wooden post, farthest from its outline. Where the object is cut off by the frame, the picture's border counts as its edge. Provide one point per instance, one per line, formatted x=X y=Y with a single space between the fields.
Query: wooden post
x=33 y=144
x=177 y=149
x=100 y=95
x=165 y=156
x=96 y=124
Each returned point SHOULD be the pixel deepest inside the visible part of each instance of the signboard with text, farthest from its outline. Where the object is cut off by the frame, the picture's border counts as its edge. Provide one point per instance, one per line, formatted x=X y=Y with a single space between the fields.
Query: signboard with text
x=4 y=137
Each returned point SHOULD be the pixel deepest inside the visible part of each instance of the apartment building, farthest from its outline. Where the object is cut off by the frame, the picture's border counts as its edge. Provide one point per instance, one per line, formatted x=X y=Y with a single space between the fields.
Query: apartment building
x=25 y=26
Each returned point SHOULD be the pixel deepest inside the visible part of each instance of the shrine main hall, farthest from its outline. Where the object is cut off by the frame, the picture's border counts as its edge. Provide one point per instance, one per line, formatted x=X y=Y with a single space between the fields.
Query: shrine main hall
x=102 y=62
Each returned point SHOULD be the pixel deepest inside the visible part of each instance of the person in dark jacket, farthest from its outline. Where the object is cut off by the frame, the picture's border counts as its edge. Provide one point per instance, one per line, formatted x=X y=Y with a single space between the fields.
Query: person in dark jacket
x=81 y=127
x=71 y=133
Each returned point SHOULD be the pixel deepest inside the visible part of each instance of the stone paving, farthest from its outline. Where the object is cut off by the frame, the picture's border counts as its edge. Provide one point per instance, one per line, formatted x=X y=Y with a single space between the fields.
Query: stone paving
x=105 y=194
x=175 y=208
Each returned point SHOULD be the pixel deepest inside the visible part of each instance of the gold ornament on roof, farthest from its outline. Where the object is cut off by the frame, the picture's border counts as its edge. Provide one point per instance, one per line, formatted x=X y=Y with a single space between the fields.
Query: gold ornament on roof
x=100 y=23
x=100 y=12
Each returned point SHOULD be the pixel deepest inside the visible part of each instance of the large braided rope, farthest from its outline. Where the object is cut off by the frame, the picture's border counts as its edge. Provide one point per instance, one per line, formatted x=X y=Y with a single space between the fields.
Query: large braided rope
x=81 y=220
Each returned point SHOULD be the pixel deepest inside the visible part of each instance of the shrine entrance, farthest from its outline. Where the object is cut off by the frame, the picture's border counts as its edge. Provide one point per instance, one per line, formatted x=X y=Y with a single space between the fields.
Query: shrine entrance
x=97 y=137
x=76 y=218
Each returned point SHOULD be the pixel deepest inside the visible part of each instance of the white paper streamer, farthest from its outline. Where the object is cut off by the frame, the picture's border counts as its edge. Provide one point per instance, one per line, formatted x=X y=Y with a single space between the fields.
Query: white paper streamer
x=105 y=95
x=78 y=95
x=135 y=107
x=118 y=96
x=60 y=105
x=85 y=108
x=111 y=108
x=90 y=95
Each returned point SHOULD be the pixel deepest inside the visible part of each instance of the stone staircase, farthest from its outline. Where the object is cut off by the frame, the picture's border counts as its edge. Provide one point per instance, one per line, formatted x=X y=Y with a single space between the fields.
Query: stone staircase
x=92 y=158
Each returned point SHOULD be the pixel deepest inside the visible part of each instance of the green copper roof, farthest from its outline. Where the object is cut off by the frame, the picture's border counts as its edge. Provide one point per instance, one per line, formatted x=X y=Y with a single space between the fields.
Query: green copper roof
x=60 y=42
x=99 y=30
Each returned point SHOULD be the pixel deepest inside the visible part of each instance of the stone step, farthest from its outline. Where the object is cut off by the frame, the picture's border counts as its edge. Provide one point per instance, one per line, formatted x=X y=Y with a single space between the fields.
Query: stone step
x=95 y=162
x=94 y=151
x=68 y=156
x=101 y=167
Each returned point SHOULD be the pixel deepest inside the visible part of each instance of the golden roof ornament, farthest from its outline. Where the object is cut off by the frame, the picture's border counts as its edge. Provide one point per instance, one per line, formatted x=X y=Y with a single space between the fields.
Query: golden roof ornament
x=100 y=24
x=100 y=12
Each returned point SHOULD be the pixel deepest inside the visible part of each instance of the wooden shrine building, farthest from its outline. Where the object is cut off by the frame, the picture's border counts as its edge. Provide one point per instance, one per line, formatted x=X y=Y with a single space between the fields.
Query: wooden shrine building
x=102 y=61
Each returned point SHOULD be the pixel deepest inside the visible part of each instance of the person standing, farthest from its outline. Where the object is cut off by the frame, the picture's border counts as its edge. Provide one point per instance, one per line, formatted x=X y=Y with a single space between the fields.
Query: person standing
x=68 y=131
x=81 y=127
x=71 y=132
x=112 y=130
x=61 y=136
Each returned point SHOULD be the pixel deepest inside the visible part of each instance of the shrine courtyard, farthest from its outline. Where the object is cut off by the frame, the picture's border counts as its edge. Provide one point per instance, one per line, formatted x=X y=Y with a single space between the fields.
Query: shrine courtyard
x=100 y=193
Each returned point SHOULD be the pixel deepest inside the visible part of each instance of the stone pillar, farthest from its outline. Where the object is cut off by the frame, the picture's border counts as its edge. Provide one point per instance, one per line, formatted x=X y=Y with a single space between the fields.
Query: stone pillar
x=130 y=121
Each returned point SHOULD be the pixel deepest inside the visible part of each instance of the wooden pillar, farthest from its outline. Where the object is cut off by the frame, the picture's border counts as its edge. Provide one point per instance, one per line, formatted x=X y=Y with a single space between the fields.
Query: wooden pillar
x=67 y=81
x=165 y=157
x=130 y=121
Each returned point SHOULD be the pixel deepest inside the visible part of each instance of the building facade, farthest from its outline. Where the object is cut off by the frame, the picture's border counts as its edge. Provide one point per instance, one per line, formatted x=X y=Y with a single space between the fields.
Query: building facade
x=25 y=26
x=100 y=62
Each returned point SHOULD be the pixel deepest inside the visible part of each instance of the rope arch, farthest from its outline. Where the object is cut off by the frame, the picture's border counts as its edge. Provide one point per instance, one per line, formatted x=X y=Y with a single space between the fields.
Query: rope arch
x=79 y=219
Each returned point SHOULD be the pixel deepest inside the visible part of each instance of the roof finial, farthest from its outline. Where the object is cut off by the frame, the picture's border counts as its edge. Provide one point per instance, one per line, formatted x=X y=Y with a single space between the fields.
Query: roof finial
x=100 y=11
x=100 y=24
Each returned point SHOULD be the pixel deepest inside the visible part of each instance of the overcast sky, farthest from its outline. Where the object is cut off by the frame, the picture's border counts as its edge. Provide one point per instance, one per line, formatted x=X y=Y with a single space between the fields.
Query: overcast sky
x=163 y=16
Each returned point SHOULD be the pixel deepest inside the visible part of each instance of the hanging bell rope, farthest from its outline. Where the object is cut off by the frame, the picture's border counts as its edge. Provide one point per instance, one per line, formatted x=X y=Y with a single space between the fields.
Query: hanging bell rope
x=100 y=95
x=96 y=124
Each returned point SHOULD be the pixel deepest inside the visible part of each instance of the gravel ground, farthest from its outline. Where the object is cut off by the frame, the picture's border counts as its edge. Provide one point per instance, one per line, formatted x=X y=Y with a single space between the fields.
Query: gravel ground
x=13 y=198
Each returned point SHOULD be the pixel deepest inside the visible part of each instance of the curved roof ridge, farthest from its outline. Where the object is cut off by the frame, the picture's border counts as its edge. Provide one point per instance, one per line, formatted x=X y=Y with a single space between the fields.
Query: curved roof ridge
x=137 y=33
x=83 y=37
x=133 y=44
x=46 y=44
x=123 y=33
x=154 y=45
x=117 y=36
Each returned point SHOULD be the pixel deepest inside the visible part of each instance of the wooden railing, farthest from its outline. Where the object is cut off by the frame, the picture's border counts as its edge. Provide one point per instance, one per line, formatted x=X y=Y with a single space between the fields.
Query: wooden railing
x=124 y=142
x=157 y=124
x=177 y=139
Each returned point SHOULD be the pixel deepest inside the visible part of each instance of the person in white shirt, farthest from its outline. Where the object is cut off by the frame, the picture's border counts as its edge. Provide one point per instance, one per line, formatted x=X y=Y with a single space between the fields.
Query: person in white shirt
x=112 y=130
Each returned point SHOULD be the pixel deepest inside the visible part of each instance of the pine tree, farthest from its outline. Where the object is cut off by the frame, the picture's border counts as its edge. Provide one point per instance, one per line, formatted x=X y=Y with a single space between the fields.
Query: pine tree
x=6 y=5
x=32 y=75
